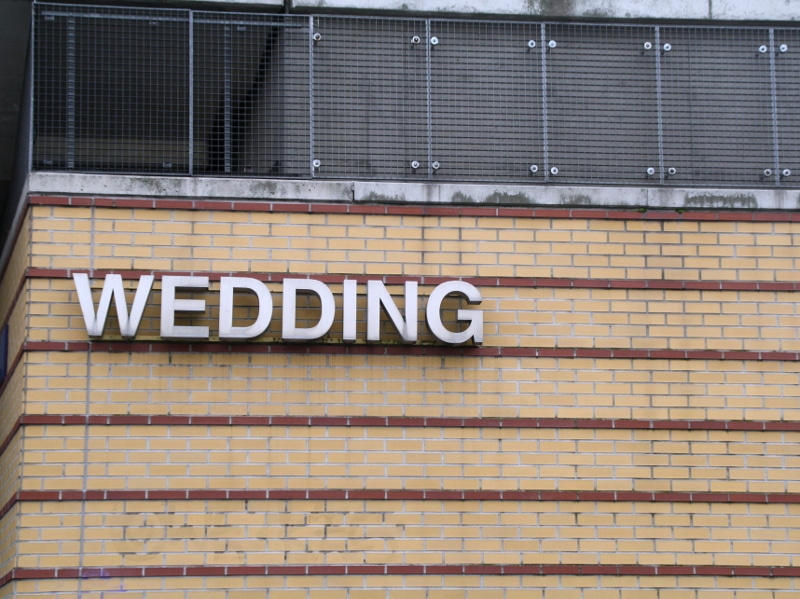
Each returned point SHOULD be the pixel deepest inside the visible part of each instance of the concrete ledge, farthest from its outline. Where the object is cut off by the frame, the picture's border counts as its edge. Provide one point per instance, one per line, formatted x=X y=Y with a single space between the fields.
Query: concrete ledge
x=595 y=9
x=551 y=195
x=765 y=10
x=400 y=192
x=189 y=187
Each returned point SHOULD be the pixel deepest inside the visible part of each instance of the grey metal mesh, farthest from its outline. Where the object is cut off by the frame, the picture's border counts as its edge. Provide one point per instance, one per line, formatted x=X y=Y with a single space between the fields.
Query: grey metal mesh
x=486 y=103
x=787 y=99
x=128 y=90
x=369 y=97
x=602 y=109
x=250 y=82
x=111 y=89
x=717 y=106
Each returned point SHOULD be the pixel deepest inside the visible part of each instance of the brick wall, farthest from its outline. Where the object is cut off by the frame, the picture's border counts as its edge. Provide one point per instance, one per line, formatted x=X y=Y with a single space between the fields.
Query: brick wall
x=629 y=427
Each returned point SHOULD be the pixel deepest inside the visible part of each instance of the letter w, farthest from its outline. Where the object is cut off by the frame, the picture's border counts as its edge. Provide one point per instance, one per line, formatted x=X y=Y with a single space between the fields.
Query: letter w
x=96 y=322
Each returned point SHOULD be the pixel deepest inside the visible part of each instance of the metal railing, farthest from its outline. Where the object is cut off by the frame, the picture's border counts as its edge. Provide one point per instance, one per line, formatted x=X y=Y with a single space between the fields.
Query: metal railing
x=124 y=90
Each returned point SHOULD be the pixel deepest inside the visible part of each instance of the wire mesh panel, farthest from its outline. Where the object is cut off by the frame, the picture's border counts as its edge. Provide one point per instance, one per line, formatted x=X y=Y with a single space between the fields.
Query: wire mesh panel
x=486 y=120
x=786 y=49
x=135 y=90
x=369 y=97
x=717 y=105
x=111 y=90
x=251 y=82
x=602 y=109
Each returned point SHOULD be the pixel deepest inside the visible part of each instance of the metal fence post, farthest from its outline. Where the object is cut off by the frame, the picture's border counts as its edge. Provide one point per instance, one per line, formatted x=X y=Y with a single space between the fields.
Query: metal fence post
x=659 y=110
x=311 y=151
x=191 y=93
x=71 y=92
x=774 y=98
x=545 y=141
x=428 y=99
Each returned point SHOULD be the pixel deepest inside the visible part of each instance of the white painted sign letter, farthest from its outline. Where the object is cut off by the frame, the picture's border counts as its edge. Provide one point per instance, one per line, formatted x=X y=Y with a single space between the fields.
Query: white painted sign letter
x=474 y=317
x=327 y=309
x=227 y=285
x=377 y=296
x=170 y=305
x=112 y=286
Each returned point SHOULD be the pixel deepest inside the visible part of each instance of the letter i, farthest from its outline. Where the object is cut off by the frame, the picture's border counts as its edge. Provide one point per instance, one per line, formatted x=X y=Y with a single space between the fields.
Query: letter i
x=349 y=297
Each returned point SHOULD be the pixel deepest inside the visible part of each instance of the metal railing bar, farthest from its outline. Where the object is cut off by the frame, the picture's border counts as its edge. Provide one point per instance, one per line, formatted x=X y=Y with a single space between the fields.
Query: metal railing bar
x=545 y=142
x=247 y=23
x=428 y=98
x=191 y=94
x=659 y=107
x=82 y=15
x=31 y=90
x=311 y=150
x=227 y=102
x=71 y=92
x=774 y=98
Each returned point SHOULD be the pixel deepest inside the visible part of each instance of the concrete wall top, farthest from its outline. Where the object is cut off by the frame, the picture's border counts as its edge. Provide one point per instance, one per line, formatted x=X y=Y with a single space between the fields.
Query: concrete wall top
x=398 y=192
x=723 y=10
x=602 y=9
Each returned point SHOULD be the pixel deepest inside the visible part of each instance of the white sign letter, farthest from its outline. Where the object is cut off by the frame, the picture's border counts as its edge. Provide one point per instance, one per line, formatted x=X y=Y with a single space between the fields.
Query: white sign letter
x=327 y=309
x=474 y=317
x=227 y=287
x=170 y=305
x=96 y=322
x=349 y=299
x=378 y=296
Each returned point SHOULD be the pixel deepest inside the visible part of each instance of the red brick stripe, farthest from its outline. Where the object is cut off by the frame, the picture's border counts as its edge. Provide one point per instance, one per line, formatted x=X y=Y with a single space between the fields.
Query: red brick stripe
x=400 y=495
x=417 y=209
x=515 y=282
x=409 y=422
x=402 y=569
x=270 y=347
